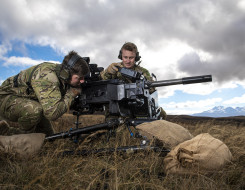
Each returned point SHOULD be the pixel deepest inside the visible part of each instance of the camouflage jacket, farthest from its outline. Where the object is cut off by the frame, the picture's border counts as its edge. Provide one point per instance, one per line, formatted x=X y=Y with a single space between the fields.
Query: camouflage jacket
x=105 y=75
x=46 y=86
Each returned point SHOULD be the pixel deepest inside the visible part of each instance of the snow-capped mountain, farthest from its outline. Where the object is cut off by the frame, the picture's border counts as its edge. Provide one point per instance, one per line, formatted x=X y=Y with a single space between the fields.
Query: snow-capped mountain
x=221 y=111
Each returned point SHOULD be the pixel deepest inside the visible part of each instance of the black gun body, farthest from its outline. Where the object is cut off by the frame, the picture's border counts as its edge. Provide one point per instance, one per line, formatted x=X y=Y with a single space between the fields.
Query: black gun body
x=131 y=100
x=127 y=100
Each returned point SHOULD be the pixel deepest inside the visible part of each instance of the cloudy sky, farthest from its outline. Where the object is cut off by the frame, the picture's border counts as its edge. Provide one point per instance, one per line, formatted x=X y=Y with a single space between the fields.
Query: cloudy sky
x=175 y=38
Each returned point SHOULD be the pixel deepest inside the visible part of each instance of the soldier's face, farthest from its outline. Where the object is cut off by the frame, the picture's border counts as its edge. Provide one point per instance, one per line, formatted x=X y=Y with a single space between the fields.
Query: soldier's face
x=76 y=80
x=128 y=58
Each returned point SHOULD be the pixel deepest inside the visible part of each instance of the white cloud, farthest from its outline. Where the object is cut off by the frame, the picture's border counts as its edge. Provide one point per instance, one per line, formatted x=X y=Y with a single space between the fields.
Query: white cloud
x=190 y=107
x=212 y=30
x=4 y=48
x=188 y=38
x=165 y=55
x=241 y=82
x=236 y=100
x=22 y=61
x=198 y=88
x=241 y=4
x=194 y=104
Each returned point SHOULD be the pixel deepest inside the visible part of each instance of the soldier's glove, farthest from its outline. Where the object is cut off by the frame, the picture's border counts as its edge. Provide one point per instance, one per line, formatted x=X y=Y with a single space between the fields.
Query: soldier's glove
x=163 y=114
x=113 y=68
x=75 y=91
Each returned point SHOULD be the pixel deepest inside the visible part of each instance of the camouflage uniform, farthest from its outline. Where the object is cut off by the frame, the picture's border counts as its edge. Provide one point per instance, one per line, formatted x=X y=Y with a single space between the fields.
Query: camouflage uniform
x=35 y=97
x=105 y=75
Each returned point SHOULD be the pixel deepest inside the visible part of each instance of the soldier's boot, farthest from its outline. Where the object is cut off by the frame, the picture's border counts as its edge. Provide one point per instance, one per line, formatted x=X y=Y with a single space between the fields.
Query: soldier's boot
x=45 y=126
x=4 y=127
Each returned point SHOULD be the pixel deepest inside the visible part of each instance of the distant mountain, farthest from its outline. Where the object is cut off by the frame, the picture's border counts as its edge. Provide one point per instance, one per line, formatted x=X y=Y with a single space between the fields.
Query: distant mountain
x=221 y=111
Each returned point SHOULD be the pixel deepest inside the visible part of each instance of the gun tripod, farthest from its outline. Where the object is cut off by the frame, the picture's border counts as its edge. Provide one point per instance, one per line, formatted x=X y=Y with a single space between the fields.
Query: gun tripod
x=74 y=134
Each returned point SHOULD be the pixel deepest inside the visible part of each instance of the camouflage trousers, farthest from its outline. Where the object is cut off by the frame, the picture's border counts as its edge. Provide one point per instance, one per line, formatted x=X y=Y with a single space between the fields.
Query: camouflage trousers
x=28 y=113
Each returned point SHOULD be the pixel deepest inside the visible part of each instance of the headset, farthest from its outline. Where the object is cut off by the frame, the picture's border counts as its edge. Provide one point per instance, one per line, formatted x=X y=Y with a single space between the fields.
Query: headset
x=64 y=73
x=74 y=59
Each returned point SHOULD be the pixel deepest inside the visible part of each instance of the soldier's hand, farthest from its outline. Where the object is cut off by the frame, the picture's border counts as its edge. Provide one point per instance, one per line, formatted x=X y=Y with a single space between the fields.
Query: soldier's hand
x=113 y=68
x=75 y=91
x=163 y=114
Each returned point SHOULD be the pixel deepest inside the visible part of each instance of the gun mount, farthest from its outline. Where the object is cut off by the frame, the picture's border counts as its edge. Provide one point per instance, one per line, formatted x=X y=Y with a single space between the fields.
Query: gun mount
x=131 y=101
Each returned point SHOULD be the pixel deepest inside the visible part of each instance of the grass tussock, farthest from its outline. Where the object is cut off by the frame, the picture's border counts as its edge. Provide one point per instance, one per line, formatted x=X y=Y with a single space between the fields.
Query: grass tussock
x=143 y=170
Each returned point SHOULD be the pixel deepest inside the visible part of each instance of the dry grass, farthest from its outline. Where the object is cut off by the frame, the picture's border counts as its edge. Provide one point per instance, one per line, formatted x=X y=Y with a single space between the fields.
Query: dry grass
x=120 y=171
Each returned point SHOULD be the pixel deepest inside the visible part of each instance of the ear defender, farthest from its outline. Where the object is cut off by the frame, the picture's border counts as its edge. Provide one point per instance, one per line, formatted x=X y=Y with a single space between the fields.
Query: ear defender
x=120 y=55
x=137 y=58
x=73 y=60
x=65 y=73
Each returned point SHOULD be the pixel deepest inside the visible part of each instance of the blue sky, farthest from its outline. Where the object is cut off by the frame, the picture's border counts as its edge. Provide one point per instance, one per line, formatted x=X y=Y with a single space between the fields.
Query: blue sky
x=34 y=52
x=175 y=39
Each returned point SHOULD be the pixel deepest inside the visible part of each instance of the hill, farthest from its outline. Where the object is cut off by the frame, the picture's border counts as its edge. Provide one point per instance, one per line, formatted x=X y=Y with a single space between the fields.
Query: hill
x=194 y=120
x=221 y=111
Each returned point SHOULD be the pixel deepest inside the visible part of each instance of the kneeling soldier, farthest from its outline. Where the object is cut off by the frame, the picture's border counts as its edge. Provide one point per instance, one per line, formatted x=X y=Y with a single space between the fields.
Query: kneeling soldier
x=40 y=94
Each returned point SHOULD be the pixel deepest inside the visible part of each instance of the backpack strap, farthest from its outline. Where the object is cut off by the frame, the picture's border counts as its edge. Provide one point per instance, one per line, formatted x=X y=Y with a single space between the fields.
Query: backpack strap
x=28 y=83
x=16 y=80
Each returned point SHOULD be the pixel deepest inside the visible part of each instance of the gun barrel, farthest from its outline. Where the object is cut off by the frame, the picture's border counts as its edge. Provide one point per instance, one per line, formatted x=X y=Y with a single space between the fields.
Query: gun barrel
x=185 y=80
